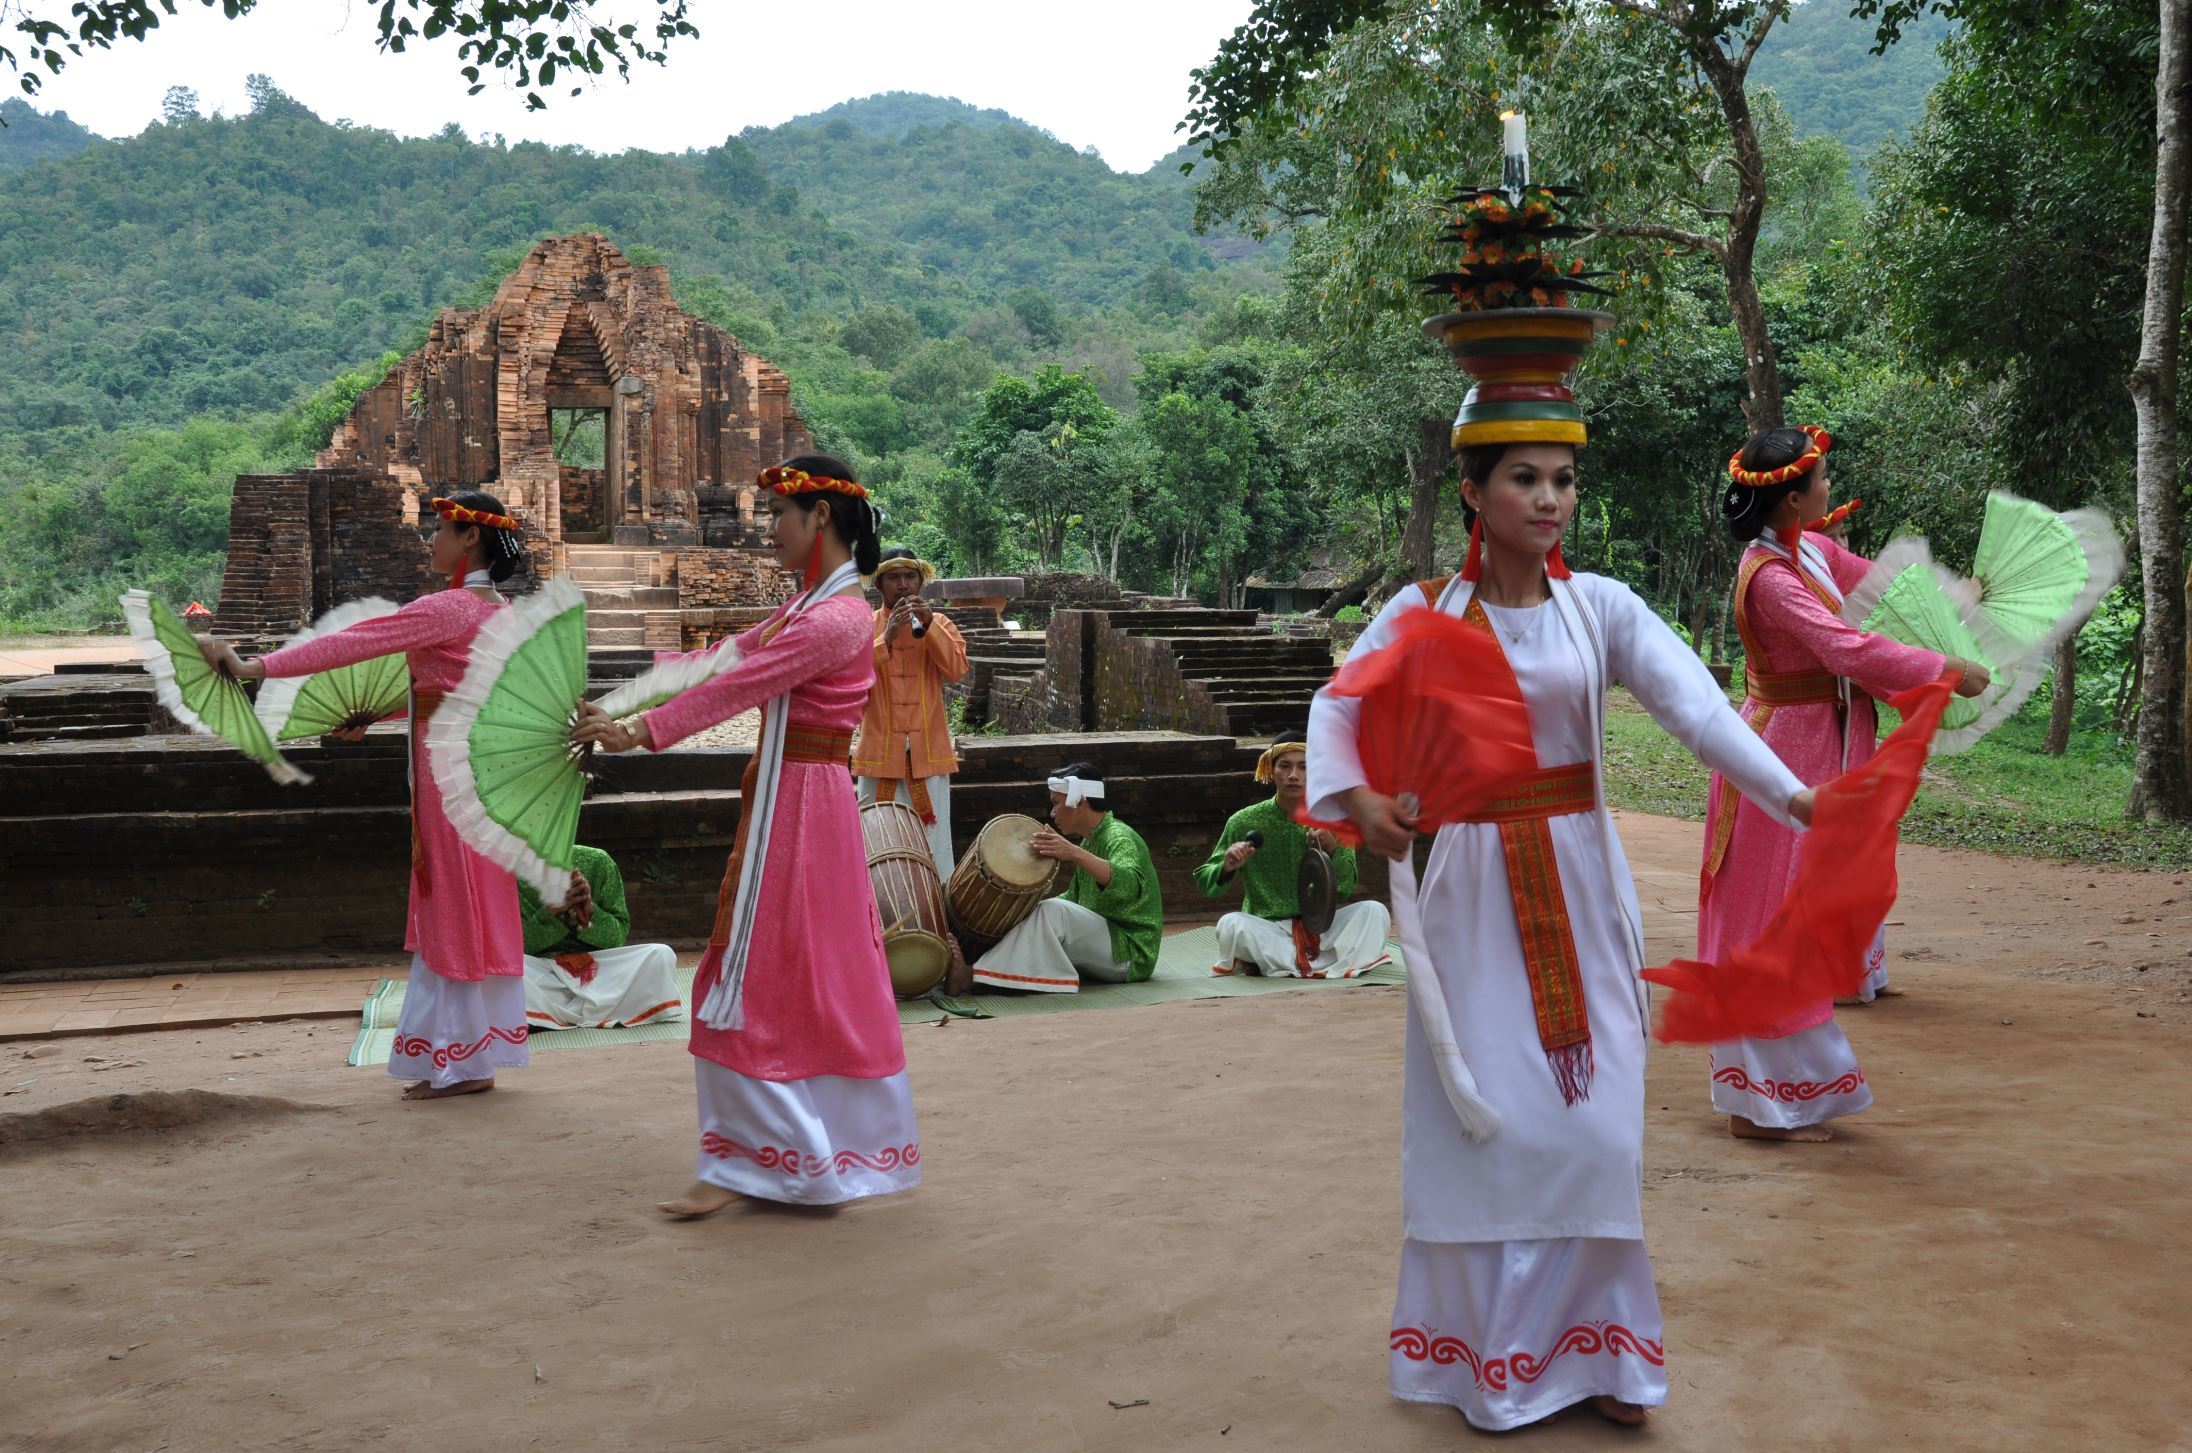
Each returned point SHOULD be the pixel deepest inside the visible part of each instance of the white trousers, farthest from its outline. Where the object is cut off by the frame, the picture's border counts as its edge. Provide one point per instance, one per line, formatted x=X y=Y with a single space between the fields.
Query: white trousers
x=1354 y=944
x=1511 y=1331
x=635 y=984
x=452 y=1030
x=939 y=830
x=1052 y=950
x=1802 y=1079
x=815 y=1141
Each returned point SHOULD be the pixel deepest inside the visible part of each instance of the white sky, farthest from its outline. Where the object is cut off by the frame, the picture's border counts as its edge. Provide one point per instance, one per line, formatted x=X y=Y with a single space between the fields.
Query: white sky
x=1112 y=75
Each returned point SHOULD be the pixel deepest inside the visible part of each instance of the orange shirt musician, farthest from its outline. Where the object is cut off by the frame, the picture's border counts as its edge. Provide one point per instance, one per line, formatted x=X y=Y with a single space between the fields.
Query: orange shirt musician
x=905 y=743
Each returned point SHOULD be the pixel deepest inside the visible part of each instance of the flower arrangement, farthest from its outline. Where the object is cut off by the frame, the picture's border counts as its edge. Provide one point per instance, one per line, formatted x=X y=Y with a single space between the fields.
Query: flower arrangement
x=1507 y=256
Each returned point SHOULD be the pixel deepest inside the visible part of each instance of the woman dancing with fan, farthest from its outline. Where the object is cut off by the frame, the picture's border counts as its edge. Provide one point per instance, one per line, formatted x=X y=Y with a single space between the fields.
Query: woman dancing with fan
x=1809 y=685
x=463 y=1013
x=800 y=1067
x=1524 y=1283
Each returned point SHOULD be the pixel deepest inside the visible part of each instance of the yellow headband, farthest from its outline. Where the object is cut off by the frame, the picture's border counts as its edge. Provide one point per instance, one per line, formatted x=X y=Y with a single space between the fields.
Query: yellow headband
x=1267 y=764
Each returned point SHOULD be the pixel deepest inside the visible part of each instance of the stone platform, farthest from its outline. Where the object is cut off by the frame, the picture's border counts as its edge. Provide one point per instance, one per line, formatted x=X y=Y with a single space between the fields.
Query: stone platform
x=177 y=850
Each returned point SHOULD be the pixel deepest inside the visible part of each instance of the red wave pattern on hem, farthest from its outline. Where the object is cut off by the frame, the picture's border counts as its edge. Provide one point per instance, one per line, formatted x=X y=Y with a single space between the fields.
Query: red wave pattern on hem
x=1788 y=1092
x=1585 y=1339
x=788 y=1160
x=443 y=1056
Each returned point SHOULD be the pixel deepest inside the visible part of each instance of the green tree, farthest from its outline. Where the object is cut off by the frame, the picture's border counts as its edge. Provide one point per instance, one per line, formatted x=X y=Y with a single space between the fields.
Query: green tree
x=532 y=41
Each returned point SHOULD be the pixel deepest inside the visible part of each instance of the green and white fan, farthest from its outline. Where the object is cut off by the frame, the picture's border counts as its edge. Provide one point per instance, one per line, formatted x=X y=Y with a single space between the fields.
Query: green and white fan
x=196 y=694
x=673 y=677
x=293 y=708
x=2040 y=573
x=2037 y=575
x=500 y=744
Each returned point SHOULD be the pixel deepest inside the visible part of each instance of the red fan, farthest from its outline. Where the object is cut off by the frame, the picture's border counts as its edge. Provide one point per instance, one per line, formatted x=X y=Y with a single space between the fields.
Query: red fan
x=1443 y=719
x=1813 y=949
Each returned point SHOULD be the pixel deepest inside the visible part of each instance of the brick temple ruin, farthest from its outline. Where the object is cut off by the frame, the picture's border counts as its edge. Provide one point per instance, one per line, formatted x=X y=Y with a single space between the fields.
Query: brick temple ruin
x=623 y=432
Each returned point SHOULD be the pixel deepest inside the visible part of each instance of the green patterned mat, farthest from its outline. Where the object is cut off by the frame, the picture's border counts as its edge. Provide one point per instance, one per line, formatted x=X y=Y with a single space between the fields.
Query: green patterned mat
x=1183 y=972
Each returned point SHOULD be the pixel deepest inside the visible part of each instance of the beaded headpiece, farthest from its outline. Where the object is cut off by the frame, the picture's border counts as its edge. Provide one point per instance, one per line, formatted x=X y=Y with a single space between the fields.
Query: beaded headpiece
x=780 y=479
x=1821 y=442
x=458 y=514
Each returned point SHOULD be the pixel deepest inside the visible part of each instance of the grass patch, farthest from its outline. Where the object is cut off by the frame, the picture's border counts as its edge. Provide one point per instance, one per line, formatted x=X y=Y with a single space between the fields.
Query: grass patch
x=2003 y=796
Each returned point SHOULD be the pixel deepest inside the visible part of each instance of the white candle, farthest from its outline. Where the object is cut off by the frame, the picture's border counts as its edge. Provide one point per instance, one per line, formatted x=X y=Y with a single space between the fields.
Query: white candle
x=1518 y=148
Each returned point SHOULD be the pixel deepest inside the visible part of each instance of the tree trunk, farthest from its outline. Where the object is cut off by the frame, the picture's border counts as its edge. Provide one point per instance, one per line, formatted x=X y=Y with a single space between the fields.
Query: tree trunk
x=1761 y=371
x=1427 y=471
x=1356 y=589
x=2060 y=716
x=2161 y=783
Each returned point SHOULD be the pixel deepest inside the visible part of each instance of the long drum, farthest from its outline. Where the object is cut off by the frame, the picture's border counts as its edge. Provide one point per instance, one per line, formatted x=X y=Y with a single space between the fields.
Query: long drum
x=908 y=897
x=997 y=883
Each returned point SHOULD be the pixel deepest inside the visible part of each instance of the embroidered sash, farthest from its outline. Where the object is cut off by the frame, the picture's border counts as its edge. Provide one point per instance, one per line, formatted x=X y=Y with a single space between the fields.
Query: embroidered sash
x=1524 y=819
x=886 y=790
x=1767 y=691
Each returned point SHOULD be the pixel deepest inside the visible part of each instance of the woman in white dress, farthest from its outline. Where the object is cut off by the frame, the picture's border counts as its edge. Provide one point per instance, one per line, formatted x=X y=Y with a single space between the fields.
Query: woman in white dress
x=1524 y=1283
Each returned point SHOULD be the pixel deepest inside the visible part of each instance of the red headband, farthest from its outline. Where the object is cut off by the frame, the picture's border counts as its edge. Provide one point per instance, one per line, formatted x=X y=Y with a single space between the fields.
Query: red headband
x=458 y=514
x=1821 y=442
x=797 y=481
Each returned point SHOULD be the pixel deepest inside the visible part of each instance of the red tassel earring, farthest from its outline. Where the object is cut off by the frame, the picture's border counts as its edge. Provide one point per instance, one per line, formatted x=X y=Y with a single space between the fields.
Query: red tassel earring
x=1555 y=566
x=813 y=575
x=1790 y=536
x=1472 y=565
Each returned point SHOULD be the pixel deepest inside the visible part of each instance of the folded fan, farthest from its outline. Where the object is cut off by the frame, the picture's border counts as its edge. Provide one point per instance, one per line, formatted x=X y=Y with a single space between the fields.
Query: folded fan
x=343 y=699
x=196 y=694
x=1443 y=720
x=500 y=744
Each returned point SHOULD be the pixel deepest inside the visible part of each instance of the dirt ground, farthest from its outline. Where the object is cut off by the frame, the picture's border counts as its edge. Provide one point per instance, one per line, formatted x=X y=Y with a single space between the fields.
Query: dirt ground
x=1194 y=1205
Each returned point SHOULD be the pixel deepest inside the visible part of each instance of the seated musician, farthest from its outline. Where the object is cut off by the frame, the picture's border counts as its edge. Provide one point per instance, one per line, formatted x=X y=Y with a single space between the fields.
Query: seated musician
x=1108 y=923
x=1261 y=849
x=579 y=972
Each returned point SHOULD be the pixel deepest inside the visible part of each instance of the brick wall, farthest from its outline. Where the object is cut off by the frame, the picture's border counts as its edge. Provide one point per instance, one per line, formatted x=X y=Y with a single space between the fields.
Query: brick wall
x=697 y=628
x=713 y=578
x=177 y=849
x=1136 y=684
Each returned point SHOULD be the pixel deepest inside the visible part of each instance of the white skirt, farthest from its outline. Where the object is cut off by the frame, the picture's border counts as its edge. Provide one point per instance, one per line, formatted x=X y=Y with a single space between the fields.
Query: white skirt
x=1354 y=944
x=1512 y=1331
x=1803 y=1079
x=633 y=985
x=815 y=1141
x=452 y=1030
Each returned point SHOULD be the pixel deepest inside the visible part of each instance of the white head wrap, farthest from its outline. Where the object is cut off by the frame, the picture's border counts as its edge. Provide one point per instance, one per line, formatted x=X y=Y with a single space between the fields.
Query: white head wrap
x=1077 y=789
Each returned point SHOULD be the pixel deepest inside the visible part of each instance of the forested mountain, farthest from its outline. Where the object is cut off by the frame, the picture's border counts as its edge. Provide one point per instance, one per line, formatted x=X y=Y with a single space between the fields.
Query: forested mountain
x=894 y=255
x=29 y=136
x=1819 y=61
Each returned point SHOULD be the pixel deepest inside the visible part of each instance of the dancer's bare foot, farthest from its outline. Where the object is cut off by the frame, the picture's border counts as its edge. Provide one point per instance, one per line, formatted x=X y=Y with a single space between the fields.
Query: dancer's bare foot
x=702 y=1200
x=1614 y=1410
x=1884 y=992
x=424 y=1089
x=1743 y=1129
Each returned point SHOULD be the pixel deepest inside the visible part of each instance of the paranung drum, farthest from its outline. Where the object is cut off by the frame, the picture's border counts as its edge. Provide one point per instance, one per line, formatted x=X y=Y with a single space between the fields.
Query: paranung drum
x=908 y=897
x=997 y=883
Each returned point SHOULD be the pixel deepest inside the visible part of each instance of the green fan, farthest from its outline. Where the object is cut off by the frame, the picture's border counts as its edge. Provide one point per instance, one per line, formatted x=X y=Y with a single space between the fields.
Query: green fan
x=500 y=743
x=2040 y=573
x=1907 y=597
x=194 y=693
x=344 y=699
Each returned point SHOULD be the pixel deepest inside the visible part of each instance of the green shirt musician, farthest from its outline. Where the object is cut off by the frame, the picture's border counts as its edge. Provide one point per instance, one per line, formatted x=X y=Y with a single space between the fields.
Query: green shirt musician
x=1261 y=850
x=579 y=971
x=1108 y=923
